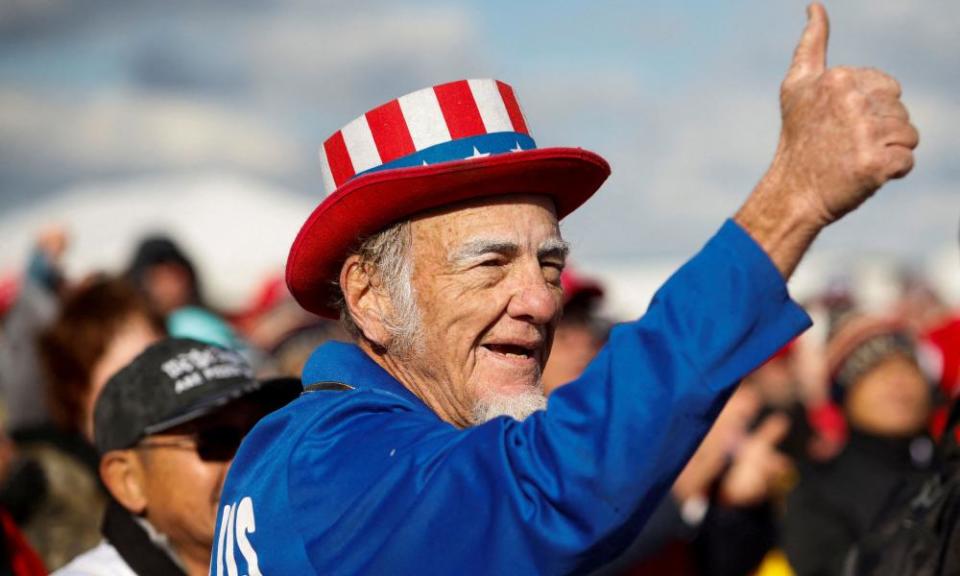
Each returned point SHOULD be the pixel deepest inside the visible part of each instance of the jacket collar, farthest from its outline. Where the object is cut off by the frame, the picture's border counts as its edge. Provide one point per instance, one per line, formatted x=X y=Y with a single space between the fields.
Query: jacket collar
x=342 y=363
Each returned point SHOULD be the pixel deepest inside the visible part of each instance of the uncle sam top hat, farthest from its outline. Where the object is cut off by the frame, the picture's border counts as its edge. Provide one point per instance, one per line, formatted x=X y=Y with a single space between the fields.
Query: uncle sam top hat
x=434 y=147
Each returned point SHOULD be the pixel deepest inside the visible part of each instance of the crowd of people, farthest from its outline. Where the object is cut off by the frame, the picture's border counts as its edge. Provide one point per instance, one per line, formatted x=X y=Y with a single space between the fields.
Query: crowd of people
x=62 y=339
x=806 y=457
x=473 y=410
x=815 y=449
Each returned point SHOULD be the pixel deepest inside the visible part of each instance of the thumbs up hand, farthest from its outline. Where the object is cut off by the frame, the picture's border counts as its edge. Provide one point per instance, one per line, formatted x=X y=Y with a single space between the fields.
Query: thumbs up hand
x=844 y=133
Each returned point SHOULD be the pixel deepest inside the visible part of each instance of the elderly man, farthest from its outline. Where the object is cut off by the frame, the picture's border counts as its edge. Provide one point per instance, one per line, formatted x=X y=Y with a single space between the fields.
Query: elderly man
x=425 y=447
x=167 y=426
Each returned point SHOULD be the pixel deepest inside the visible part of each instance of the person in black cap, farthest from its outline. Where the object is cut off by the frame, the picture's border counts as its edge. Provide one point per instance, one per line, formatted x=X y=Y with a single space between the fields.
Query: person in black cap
x=167 y=426
x=165 y=275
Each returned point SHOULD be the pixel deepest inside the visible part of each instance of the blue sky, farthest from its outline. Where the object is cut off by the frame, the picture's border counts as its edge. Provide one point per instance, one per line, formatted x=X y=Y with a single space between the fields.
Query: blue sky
x=681 y=97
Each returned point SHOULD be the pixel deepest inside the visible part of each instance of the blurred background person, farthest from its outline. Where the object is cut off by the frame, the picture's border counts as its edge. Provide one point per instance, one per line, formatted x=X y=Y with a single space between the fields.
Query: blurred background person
x=164 y=275
x=102 y=325
x=937 y=329
x=887 y=401
x=283 y=333
x=581 y=331
x=33 y=301
x=17 y=556
x=52 y=488
x=720 y=518
x=170 y=283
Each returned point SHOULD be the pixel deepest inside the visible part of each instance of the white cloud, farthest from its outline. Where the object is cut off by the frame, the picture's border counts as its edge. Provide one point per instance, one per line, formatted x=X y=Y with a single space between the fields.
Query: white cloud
x=930 y=26
x=136 y=130
x=352 y=59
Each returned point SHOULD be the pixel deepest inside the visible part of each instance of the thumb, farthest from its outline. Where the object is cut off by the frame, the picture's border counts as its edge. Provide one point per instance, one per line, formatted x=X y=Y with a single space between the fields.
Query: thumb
x=810 y=56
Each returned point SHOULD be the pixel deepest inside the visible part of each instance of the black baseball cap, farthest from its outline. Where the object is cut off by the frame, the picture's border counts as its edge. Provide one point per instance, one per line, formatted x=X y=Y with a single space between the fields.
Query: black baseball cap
x=176 y=381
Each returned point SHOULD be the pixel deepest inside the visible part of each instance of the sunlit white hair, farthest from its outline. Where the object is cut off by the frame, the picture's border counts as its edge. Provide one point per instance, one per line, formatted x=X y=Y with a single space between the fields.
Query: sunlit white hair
x=387 y=255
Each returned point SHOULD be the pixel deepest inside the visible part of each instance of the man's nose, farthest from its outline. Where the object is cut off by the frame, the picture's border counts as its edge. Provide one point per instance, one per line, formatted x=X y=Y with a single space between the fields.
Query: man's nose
x=535 y=300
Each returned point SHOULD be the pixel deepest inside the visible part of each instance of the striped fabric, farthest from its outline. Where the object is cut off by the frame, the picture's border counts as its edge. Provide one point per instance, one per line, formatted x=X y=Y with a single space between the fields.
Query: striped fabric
x=454 y=121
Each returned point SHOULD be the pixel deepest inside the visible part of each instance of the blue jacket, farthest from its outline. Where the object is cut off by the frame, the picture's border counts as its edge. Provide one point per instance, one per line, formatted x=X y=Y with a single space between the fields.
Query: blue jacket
x=363 y=478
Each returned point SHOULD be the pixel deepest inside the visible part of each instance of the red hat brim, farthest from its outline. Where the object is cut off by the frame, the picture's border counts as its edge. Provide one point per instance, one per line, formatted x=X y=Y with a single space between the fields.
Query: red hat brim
x=371 y=202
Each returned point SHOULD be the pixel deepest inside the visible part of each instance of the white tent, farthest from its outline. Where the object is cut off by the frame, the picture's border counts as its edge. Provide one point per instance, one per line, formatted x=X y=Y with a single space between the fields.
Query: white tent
x=236 y=230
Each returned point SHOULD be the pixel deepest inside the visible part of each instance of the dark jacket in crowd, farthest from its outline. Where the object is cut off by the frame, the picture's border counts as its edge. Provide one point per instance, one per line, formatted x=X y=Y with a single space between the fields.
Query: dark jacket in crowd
x=837 y=502
x=728 y=541
x=54 y=494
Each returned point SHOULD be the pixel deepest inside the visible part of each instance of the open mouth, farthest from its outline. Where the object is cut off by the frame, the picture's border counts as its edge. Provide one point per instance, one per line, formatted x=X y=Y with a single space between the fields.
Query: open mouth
x=513 y=351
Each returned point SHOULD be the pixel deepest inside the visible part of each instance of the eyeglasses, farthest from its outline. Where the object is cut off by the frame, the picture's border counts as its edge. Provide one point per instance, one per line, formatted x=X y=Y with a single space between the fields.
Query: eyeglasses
x=211 y=444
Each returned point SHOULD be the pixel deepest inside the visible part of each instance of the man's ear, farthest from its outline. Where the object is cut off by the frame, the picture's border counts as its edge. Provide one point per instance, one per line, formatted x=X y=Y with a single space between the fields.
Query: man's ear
x=125 y=478
x=367 y=301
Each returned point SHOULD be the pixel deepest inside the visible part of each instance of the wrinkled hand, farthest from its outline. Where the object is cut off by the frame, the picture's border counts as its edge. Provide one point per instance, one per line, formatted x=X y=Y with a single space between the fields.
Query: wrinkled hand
x=845 y=131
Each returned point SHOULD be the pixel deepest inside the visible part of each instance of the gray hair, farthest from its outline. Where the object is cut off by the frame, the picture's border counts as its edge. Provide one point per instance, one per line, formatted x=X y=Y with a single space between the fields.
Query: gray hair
x=388 y=254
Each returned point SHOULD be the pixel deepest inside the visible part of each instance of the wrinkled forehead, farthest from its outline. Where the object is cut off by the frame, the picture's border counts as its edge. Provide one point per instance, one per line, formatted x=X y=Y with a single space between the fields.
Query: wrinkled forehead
x=528 y=221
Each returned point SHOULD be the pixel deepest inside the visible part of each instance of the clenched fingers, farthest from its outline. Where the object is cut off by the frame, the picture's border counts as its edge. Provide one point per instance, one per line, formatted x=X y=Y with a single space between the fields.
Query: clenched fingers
x=886 y=106
x=870 y=80
x=898 y=161
x=886 y=152
x=896 y=132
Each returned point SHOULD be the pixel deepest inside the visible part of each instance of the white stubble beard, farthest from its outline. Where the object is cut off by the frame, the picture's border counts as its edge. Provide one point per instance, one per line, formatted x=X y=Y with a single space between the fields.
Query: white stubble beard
x=517 y=406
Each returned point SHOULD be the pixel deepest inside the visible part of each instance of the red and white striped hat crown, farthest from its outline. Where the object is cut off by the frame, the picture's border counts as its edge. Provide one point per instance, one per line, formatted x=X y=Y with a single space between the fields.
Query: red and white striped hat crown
x=431 y=148
x=454 y=121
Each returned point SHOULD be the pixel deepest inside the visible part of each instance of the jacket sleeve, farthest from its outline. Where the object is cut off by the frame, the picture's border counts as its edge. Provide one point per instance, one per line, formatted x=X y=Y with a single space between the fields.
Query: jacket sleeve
x=568 y=488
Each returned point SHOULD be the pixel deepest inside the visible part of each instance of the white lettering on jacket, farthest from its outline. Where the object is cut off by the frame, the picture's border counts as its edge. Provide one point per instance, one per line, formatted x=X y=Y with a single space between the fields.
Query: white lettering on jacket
x=237 y=521
x=247 y=525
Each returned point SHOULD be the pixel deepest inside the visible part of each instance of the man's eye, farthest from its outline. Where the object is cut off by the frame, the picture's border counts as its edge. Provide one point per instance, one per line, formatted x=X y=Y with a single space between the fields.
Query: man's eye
x=552 y=271
x=491 y=263
x=558 y=266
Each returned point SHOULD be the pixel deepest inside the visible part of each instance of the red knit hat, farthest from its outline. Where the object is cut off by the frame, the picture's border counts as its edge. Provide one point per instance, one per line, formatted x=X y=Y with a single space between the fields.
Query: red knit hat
x=860 y=342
